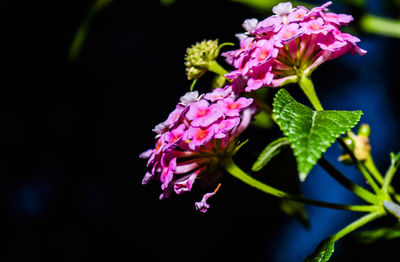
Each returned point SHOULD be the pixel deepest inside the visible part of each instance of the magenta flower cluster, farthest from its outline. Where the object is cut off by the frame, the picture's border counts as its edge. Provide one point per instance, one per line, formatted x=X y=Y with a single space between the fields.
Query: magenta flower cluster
x=288 y=45
x=194 y=139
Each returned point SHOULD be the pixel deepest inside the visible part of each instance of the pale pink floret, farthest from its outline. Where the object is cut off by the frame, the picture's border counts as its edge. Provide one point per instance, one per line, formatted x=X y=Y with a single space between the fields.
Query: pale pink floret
x=167 y=172
x=288 y=33
x=186 y=183
x=338 y=19
x=202 y=205
x=223 y=127
x=297 y=15
x=175 y=135
x=199 y=136
x=174 y=116
x=203 y=114
x=316 y=26
x=218 y=94
x=232 y=107
x=263 y=51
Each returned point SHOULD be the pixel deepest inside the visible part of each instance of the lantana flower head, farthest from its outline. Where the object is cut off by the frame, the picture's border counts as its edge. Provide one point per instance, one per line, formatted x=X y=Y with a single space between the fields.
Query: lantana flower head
x=288 y=45
x=195 y=139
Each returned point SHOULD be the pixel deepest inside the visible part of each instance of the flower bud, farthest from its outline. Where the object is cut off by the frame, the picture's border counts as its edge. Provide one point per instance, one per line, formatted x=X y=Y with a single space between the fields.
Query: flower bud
x=199 y=56
x=364 y=130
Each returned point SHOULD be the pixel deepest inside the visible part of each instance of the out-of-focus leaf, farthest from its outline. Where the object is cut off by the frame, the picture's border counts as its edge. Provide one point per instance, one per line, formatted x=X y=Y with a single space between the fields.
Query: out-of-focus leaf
x=167 y=2
x=323 y=252
x=373 y=236
x=83 y=30
x=310 y=132
x=262 y=120
x=218 y=81
x=266 y=5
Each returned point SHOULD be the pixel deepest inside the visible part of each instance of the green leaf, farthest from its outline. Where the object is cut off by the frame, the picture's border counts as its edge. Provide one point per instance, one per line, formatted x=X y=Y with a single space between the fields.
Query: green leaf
x=269 y=152
x=323 y=251
x=373 y=236
x=310 y=133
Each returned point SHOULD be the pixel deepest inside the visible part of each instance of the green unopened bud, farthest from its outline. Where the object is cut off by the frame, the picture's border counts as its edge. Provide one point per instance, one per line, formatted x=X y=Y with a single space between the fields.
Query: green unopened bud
x=349 y=143
x=364 y=130
x=199 y=57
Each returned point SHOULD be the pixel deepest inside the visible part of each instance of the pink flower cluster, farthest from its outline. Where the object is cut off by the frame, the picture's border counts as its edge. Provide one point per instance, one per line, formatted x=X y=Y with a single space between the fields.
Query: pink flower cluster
x=288 y=45
x=196 y=135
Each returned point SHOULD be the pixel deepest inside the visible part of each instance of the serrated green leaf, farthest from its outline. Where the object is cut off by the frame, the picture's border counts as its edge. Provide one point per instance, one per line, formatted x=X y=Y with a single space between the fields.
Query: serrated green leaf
x=323 y=251
x=271 y=150
x=310 y=133
x=373 y=236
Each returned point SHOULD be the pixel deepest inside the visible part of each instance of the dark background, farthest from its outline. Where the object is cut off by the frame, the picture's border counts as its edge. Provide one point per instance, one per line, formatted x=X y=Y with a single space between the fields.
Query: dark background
x=71 y=133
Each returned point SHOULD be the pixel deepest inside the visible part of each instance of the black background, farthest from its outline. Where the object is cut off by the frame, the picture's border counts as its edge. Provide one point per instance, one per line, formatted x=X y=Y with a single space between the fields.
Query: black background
x=71 y=133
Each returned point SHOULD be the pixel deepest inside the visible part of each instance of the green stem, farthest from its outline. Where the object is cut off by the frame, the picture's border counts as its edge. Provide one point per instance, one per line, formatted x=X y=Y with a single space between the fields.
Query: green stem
x=347 y=183
x=360 y=165
x=388 y=177
x=370 y=165
x=358 y=223
x=380 y=25
x=235 y=171
x=217 y=68
x=368 y=177
x=307 y=86
x=261 y=103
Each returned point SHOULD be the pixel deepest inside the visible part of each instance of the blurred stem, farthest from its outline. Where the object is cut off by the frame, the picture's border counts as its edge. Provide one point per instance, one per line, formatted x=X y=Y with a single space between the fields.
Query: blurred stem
x=260 y=102
x=235 y=171
x=380 y=25
x=83 y=29
x=358 y=223
x=370 y=165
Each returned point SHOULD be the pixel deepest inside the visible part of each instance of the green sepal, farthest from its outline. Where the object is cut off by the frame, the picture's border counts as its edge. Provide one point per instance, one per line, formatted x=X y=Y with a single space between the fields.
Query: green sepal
x=323 y=252
x=310 y=133
x=270 y=151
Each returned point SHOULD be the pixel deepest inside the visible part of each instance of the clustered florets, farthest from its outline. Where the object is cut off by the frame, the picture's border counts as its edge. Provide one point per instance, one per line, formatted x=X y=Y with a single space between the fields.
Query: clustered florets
x=195 y=138
x=202 y=131
x=288 y=45
x=199 y=56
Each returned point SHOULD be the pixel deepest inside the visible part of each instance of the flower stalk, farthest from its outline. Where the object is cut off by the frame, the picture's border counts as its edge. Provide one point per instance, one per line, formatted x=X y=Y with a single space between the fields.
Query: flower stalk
x=307 y=86
x=237 y=172
x=358 y=223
